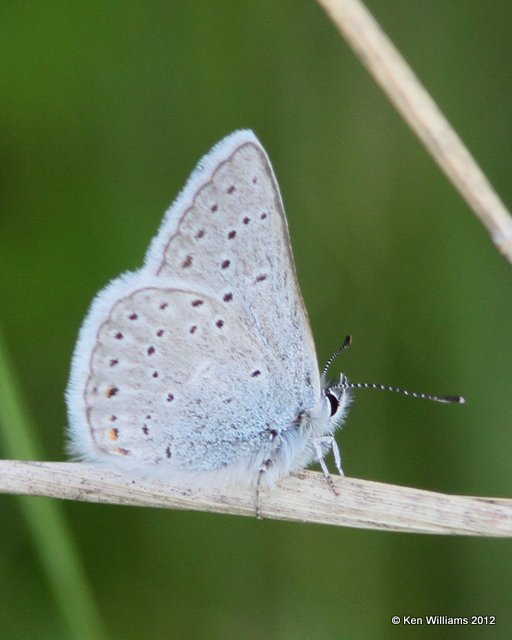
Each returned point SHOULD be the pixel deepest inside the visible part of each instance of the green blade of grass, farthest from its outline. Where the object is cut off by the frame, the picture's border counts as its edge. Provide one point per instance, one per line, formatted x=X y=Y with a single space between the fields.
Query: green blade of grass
x=45 y=518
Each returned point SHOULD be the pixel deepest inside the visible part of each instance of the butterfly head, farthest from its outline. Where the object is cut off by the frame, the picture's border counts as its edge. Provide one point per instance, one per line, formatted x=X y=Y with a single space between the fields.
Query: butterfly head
x=338 y=398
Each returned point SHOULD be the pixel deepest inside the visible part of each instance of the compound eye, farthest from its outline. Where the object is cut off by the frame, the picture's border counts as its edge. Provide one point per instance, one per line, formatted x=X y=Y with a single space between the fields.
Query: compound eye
x=333 y=401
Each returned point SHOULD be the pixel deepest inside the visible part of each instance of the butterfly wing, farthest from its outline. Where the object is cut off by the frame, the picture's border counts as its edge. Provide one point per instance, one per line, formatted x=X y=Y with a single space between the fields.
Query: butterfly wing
x=227 y=236
x=198 y=358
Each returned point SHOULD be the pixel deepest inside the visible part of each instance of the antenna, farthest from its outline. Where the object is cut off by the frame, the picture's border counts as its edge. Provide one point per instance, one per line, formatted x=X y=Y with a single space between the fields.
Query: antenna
x=346 y=344
x=345 y=384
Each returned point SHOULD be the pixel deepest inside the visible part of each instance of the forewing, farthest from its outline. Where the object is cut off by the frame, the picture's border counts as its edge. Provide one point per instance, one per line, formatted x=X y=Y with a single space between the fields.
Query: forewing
x=227 y=236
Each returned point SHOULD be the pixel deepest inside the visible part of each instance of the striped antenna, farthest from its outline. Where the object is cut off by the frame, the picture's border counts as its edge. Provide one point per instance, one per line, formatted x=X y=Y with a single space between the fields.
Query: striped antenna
x=346 y=344
x=345 y=384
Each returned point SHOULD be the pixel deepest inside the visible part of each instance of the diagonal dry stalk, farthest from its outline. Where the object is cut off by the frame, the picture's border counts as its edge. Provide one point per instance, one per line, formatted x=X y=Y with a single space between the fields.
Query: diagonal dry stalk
x=306 y=497
x=403 y=88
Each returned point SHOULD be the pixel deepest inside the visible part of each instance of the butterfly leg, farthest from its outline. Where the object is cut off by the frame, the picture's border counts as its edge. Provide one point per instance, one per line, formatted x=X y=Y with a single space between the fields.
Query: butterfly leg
x=264 y=466
x=320 y=445
x=337 y=456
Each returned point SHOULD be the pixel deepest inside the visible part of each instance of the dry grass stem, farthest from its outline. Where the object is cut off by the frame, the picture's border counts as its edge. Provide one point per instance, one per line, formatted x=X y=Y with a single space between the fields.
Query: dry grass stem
x=303 y=498
x=403 y=88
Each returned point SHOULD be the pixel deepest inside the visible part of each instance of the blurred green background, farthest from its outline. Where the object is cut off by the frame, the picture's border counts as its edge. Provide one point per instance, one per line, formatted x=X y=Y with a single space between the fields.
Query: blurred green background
x=105 y=108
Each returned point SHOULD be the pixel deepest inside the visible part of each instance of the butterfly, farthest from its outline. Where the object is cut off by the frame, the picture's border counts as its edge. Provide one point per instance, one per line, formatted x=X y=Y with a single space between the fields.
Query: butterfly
x=201 y=365
x=202 y=362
